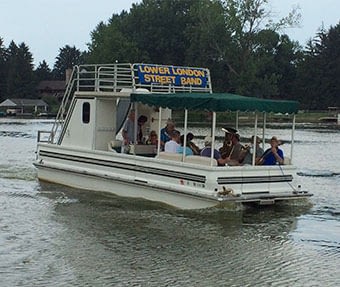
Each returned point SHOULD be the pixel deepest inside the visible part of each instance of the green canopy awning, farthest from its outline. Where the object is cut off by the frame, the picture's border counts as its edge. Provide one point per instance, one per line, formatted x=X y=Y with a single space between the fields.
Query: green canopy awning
x=217 y=102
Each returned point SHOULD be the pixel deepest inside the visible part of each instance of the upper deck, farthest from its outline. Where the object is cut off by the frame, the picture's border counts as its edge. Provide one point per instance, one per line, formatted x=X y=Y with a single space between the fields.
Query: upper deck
x=154 y=78
x=121 y=80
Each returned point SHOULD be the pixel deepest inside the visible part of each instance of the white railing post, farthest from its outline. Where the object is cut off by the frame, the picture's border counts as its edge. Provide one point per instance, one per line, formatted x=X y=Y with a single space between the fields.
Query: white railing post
x=159 y=130
x=292 y=139
x=254 y=140
x=264 y=129
x=185 y=134
x=213 y=138
x=236 y=121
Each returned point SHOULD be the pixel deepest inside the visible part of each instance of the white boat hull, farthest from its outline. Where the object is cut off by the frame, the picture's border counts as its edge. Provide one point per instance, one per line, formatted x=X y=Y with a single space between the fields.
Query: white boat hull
x=126 y=189
x=178 y=184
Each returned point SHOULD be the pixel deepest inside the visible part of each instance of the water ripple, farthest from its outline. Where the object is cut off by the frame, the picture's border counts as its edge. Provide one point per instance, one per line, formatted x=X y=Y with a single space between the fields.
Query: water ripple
x=52 y=235
x=16 y=134
x=318 y=173
x=18 y=172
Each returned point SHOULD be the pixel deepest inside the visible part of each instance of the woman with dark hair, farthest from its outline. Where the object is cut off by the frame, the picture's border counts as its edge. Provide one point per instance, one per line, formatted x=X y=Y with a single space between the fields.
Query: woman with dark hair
x=195 y=149
x=153 y=138
x=181 y=148
x=140 y=122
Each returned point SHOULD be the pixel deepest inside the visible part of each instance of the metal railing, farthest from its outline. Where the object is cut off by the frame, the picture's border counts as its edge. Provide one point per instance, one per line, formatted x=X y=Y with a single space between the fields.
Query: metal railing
x=111 y=78
x=59 y=120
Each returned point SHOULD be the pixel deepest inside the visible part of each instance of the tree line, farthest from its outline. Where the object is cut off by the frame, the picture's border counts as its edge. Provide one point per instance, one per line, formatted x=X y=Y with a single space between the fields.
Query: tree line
x=246 y=51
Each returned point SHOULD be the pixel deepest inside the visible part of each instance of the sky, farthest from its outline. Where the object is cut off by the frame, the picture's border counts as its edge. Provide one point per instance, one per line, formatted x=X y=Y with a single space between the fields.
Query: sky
x=45 y=26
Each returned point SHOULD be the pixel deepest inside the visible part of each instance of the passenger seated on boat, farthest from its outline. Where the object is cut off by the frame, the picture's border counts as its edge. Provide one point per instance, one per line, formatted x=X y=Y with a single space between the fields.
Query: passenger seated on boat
x=273 y=155
x=140 y=122
x=128 y=132
x=181 y=147
x=172 y=145
x=166 y=132
x=247 y=152
x=152 y=139
x=227 y=144
x=235 y=156
x=206 y=151
x=195 y=149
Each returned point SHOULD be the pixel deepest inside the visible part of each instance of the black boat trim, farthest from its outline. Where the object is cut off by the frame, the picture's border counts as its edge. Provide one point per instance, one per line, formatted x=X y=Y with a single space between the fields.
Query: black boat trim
x=255 y=179
x=126 y=166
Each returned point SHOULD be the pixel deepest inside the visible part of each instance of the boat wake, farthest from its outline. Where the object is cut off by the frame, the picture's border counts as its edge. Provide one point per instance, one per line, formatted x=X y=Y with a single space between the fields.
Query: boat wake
x=17 y=172
x=16 y=134
x=317 y=173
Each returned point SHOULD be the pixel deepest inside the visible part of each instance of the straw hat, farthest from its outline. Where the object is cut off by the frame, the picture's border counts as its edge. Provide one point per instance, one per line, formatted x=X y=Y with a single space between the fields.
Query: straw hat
x=229 y=130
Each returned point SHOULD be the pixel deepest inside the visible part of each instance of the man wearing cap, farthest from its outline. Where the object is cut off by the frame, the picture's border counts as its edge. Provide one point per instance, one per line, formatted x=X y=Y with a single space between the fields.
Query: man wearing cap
x=274 y=154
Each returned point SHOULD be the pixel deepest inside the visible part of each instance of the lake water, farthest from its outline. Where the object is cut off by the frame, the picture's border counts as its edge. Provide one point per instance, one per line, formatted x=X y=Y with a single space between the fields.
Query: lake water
x=52 y=235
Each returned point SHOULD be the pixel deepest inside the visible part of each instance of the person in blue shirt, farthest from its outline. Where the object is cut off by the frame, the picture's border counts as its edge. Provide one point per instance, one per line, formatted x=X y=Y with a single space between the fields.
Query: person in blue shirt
x=273 y=155
x=181 y=148
x=195 y=149
x=166 y=132
x=206 y=151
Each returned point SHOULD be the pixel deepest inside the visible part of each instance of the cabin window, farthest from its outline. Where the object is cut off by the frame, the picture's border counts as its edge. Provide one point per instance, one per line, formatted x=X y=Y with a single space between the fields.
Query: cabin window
x=86 y=113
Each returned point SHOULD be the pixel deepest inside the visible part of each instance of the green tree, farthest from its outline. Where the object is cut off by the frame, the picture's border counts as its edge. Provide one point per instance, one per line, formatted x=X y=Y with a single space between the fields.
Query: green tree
x=239 y=41
x=43 y=72
x=236 y=39
x=153 y=31
x=289 y=54
x=109 y=44
x=67 y=58
x=3 y=70
x=158 y=29
x=20 y=81
x=208 y=37
x=318 y=74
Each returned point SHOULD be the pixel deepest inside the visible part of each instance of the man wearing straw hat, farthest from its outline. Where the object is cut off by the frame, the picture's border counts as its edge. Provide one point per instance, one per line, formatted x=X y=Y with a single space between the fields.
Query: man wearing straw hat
x=227 y=144
x=233 y=154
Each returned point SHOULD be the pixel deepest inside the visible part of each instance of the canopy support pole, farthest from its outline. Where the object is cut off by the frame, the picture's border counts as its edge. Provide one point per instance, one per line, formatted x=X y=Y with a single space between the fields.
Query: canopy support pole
x=185 y=133
x=236 y=123
x=292 y=139
x=264 y=129
x=159 y=129
x=136 y=128
x=213 y=138
x=254 y=140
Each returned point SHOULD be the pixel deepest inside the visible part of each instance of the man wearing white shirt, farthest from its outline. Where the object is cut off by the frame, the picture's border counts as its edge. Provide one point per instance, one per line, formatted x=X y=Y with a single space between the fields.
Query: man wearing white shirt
x=173 y=144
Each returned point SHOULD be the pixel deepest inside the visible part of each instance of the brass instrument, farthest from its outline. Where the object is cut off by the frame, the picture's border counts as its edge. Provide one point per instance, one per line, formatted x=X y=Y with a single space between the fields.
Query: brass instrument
x=226 y=149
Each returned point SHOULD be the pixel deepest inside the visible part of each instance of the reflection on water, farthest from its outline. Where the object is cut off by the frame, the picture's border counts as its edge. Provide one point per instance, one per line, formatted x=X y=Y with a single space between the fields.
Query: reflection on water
x=138 y=241
x=52 y=235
